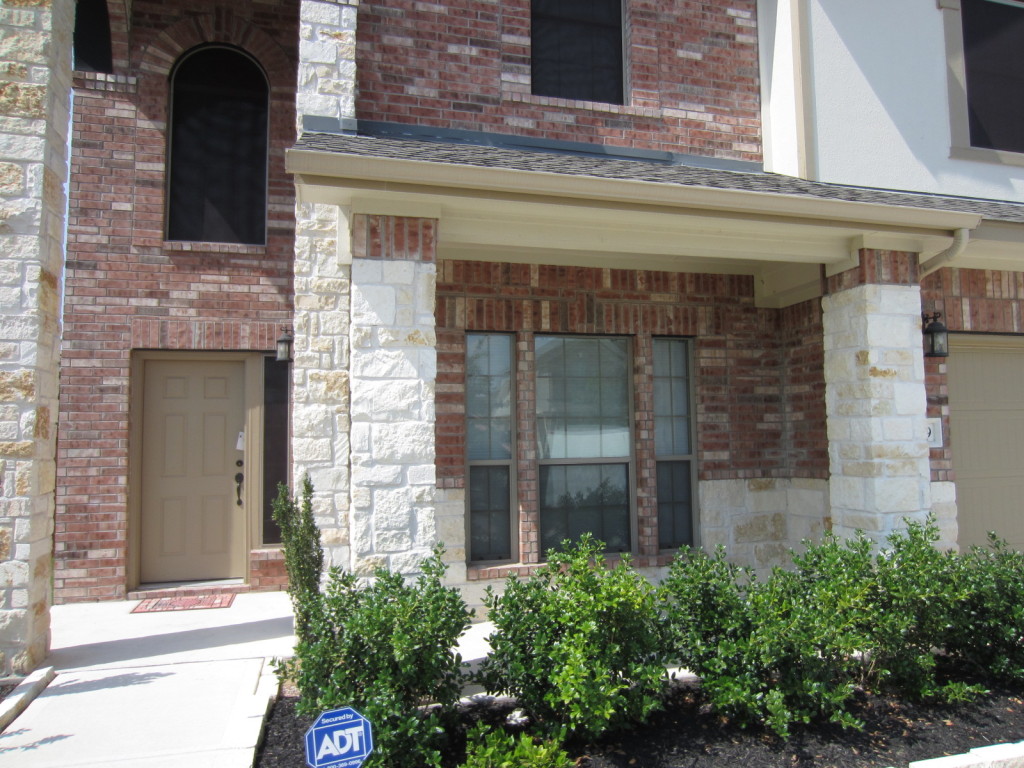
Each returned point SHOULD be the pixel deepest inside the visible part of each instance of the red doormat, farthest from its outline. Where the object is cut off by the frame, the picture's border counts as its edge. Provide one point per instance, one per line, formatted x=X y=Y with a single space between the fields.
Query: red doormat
x=155 y=604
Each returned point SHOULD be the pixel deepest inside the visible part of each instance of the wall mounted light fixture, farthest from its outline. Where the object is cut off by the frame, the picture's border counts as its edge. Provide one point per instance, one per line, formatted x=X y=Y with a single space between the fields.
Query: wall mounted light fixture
x=936 y=336
x=284 y=345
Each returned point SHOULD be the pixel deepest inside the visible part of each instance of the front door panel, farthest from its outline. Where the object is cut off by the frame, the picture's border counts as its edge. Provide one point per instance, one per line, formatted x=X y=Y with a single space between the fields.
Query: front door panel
x=192 y=525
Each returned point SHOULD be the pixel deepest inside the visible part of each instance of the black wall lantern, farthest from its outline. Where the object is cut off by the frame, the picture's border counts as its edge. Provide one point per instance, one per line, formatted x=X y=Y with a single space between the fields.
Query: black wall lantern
x=936 y=336
x=284 y=345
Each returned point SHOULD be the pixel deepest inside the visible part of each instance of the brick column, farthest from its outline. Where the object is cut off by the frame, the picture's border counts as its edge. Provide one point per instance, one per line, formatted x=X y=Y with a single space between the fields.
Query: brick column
x=875 y=396
x=35 y=89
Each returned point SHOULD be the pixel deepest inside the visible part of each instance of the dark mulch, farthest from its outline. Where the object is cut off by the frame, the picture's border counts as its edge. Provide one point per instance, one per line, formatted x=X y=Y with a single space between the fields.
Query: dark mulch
x=686 y=735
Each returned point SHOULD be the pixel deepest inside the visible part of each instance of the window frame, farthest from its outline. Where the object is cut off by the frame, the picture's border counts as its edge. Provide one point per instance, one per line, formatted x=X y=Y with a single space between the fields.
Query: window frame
x=624 y=96
x=691 y=457
x=956 y=71
x=169 y=159
x=512 y=462
x=525 y=452
x=576 y=461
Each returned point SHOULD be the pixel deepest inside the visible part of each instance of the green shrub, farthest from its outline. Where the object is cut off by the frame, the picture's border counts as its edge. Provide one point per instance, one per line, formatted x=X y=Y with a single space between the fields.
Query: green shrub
x=914 y=606
x=487 y=748
x=303 y=553
x=986 y=633
x=773 y=652
x=383 y=648
x=577 y=643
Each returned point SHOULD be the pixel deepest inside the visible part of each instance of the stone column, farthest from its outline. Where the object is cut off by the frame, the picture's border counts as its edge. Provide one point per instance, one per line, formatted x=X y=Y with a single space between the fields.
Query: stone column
x=875 y=396
x=325 y=102
x=35 y=89
x=393 y=373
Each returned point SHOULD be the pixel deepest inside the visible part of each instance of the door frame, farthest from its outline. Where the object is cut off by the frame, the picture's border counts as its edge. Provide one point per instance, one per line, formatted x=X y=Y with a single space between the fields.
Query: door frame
x=252 y=492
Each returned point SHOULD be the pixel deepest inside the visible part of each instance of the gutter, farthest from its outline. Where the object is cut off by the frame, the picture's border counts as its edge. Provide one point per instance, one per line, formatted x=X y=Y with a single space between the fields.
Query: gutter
x=960 y=239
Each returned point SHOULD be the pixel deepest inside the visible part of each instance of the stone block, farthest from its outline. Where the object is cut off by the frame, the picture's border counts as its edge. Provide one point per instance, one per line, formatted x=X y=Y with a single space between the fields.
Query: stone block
x=404 y=443
x=392 y=541
x=759 y=528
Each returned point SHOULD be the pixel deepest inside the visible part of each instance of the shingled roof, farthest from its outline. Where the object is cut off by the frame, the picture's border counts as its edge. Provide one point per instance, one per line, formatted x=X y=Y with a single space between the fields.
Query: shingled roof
x=658 y=172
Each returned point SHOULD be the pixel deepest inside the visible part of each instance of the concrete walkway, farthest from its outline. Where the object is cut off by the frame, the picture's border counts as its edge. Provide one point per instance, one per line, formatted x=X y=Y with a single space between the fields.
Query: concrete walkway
x=154 y=690
x=159 y=690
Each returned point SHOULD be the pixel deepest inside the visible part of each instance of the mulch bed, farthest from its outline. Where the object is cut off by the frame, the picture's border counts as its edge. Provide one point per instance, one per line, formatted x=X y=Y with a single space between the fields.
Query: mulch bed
x=687 y=735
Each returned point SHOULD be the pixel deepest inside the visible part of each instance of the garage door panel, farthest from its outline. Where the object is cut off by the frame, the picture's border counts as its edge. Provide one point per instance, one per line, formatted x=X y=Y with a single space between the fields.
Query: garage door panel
x=991 y=506
x=996 y=440
x=986 y=432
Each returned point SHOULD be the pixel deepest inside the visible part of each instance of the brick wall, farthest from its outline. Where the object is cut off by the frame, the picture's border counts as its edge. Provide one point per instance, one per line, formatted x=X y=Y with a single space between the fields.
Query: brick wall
x=692 y=79
x=129 y=289
x=759 y=377
x=970 y=300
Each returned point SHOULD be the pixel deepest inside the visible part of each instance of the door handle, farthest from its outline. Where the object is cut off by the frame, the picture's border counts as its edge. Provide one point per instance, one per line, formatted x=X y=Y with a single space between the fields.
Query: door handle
x=239 y=477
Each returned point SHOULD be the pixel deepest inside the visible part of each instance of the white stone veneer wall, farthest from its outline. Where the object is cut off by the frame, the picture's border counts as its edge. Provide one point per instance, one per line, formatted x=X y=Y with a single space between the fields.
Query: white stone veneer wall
x=394 y=367
x=35 y=91
x=320 y=384
x=760 y=521
x=876 y=406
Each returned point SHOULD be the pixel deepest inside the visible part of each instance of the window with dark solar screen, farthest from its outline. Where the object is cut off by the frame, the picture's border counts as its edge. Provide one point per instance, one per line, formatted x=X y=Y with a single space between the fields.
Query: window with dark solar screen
x=217 y=191
x=994 y=64
x=577 y=50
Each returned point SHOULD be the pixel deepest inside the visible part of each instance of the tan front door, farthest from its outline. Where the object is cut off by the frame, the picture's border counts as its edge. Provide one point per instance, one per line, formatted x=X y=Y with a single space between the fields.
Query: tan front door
x=986 y=424
x=192 y=526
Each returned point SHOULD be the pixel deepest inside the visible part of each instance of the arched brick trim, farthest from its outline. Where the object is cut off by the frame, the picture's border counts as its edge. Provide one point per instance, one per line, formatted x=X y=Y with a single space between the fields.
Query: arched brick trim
x=220 y=26
x=119 y=12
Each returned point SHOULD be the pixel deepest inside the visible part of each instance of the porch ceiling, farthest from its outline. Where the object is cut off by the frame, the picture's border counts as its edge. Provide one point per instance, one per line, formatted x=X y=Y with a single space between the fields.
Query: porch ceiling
x=510 y=214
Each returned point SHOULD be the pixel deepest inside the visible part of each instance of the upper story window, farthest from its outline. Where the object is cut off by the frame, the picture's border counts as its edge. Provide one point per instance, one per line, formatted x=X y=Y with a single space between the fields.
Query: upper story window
x=993 y=34
x=217 y=177
x=576 y=50
x=91 y=43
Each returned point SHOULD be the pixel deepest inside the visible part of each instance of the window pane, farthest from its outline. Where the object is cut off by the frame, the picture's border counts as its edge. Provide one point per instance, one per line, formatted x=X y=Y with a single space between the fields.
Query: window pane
x=488 y=396
x=675 y=511
x=585 y=498
x=582 y=397
x=576 y=49
x=671 y=398
x=217 y=189
x=993 y=40
x=276 y=386
x=489 y=513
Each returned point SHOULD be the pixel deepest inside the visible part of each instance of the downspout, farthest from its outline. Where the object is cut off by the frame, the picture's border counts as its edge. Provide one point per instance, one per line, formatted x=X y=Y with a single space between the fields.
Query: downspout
x=939 y=260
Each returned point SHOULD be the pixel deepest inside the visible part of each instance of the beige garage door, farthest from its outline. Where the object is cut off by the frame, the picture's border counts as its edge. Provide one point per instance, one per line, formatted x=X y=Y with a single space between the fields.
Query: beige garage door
x=986 y=403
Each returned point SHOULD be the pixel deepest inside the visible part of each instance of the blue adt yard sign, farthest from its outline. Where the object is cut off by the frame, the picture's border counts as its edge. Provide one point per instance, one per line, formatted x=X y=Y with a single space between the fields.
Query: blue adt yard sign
x=341 y=738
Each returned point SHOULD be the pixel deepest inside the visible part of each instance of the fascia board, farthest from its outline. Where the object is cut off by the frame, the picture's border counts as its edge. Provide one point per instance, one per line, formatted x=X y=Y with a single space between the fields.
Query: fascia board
x=338 y=169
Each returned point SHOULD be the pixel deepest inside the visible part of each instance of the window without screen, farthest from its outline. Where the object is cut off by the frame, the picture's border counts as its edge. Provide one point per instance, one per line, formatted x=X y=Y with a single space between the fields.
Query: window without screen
x=993 y=34
x=581 y=469
x=576 y=49
x=217 y=189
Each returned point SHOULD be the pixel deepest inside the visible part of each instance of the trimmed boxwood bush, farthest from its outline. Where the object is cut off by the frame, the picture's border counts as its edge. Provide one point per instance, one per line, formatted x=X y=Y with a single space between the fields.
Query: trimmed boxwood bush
x=577 y=643
x=382 y=647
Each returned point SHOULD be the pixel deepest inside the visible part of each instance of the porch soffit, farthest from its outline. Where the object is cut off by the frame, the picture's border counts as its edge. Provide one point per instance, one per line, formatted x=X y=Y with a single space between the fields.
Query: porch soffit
x=651 y=218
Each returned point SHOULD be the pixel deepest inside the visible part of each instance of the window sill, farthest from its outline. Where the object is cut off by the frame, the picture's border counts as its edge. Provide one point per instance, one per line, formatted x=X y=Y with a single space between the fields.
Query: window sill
x=504 y=570
x=189 y=246
x=978 y=154
x=592 y=106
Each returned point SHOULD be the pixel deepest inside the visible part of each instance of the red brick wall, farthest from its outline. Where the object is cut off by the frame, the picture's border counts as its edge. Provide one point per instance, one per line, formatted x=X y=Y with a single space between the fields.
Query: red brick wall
x=128 y=289
x=692 y=80
x=970 y=300
x=759 y=376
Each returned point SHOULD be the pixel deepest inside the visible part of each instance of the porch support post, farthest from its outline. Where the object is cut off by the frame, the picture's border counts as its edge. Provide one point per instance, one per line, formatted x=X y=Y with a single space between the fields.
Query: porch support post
x=875 y=396
x=35 y=102
x=393 y=372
